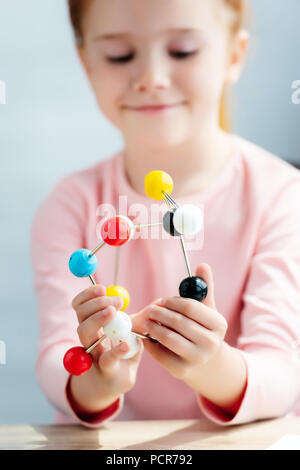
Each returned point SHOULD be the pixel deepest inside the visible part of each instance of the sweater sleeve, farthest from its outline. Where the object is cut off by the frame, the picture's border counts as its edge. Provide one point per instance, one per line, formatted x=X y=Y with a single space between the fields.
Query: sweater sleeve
x=57 y=231
x=270 y=319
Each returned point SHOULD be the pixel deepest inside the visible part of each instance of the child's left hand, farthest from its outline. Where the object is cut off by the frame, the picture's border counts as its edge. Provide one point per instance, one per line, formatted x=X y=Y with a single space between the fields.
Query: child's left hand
x=189 y=332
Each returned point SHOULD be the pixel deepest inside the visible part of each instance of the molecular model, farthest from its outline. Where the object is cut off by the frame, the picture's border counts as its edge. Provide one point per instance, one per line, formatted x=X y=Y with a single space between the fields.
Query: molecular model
x=116 y=231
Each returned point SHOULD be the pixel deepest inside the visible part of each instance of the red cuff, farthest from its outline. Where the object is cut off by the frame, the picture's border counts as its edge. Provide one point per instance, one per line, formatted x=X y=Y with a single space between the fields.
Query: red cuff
x=90 y=417
x=217 y=411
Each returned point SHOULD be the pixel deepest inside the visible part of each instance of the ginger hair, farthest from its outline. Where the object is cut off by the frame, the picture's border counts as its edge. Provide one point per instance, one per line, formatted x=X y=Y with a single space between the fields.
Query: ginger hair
x=77 y=9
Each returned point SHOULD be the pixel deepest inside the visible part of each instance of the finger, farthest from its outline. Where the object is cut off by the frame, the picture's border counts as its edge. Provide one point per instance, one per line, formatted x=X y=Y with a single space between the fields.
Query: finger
x=138 y=354
x=204 y=271
x=132 y=341
x=197 y=311
x=201 y=339
x=90 y=307
x=137 y=357
x=109 y=359
x=165 y=357
x=173 y=320
x=88 y=294
x=91 y=329
x=173 y=341
x=138 y=319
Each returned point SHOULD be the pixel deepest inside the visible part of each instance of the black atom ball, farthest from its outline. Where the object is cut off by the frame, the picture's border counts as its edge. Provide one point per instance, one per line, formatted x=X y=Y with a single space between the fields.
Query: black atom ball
x=193 y=288
x=168 y=224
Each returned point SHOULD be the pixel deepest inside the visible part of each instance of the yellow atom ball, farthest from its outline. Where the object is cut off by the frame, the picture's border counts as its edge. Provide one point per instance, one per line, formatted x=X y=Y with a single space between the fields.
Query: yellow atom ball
x=156 y=182
x=119 y=291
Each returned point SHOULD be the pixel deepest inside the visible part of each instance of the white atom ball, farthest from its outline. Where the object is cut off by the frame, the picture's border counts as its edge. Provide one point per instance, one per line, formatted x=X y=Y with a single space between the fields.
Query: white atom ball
x=133 y=343
x=120 y=326
x=188 y=219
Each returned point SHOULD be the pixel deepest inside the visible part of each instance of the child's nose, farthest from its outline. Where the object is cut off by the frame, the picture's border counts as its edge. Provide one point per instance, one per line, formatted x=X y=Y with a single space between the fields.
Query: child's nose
x=151 y=74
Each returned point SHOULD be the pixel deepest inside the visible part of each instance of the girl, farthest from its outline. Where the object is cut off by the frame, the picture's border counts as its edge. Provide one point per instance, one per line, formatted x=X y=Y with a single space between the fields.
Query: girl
x=159 y=69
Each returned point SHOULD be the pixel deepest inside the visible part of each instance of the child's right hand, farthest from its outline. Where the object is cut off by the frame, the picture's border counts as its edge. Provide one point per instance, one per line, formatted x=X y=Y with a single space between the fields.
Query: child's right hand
x=95 y=310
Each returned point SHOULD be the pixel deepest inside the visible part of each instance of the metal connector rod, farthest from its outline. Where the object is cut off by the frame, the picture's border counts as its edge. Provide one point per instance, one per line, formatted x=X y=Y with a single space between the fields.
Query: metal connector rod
x=98 y=247
x=92 y=280
x=185 y=256
x=95 y=344
x=117 y=264
x=155 y=224
x=170 y=200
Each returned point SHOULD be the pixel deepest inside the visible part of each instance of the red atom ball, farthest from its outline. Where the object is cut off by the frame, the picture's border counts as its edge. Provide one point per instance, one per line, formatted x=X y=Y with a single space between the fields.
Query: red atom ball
x=77 y=361
x=115 y=231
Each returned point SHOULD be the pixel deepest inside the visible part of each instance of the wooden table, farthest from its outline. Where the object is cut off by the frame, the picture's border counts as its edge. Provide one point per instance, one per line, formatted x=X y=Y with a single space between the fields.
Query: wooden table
x=144 y=435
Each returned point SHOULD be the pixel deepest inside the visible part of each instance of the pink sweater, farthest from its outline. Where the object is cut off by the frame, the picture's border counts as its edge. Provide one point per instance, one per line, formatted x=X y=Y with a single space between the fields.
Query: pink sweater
x=251 y=242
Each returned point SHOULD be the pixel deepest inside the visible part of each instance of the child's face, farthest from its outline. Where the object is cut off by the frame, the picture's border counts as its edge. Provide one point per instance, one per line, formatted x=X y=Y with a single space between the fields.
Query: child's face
x=158 y=66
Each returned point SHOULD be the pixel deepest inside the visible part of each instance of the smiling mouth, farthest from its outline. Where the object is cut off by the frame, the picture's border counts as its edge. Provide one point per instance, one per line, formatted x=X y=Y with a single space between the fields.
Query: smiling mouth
x=153 y=108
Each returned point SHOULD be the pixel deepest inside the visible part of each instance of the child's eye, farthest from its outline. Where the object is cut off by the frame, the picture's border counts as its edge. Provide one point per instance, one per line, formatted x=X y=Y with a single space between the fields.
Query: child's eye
x=175 y=54
x=123 y=59
x=182 y=55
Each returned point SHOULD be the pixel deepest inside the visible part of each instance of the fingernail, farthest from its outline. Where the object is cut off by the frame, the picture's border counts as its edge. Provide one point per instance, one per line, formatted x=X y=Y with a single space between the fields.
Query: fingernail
x=105 y=312
x=97 y=291
x=123 y=346
x=118 y=301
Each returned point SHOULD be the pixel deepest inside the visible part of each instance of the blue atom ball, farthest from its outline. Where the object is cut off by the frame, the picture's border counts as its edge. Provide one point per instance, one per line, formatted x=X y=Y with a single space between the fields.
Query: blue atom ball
x=82 y=264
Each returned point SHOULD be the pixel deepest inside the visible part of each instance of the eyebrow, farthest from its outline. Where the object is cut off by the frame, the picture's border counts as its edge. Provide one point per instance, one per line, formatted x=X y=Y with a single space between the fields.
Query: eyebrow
x=107 y=36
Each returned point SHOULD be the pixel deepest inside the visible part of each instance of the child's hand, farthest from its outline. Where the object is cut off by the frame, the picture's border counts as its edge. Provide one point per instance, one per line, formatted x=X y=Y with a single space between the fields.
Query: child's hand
x=189 y=332
x=95 y=310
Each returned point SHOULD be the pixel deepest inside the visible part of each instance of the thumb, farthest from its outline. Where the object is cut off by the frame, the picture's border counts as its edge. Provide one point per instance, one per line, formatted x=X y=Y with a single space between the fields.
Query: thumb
x=138 y=355
x=138 y=319
x=204 y=271
x=102 y=289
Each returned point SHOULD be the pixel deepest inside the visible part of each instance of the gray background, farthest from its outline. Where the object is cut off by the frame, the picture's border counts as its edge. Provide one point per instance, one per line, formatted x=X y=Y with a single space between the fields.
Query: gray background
x=50 y=126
